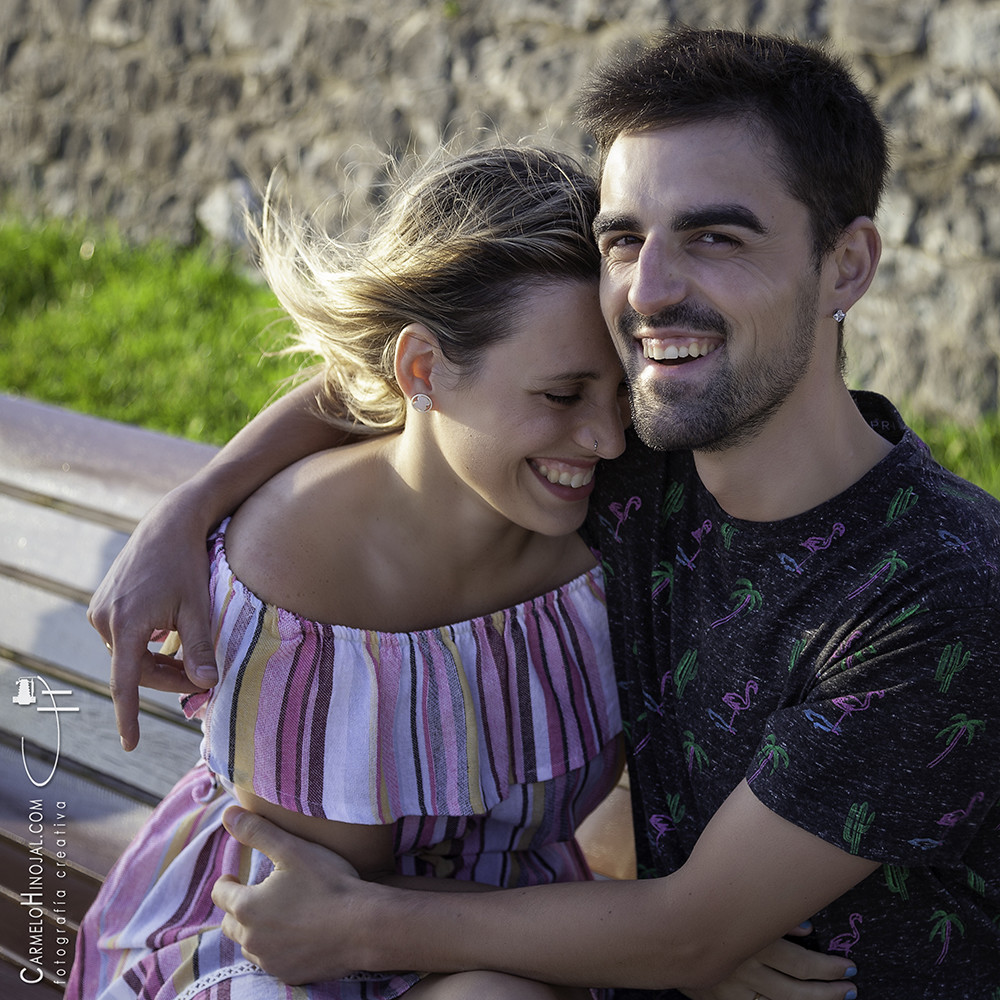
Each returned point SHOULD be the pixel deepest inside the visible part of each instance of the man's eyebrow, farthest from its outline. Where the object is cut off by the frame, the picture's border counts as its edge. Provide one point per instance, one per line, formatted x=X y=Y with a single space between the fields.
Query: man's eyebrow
x=695 y=218
x=719 y=215
x=608 y=223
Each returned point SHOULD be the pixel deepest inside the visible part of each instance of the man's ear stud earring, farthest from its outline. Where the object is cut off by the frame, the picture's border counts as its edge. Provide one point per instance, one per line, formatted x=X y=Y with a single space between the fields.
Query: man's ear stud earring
x=839 y=316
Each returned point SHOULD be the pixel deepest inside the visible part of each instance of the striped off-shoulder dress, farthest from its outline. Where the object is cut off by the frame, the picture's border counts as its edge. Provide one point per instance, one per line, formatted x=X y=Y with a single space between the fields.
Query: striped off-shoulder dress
x=485 y=742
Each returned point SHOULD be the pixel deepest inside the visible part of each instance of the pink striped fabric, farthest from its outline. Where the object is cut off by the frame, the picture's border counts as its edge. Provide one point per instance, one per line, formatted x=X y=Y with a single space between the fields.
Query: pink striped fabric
x=486 y=742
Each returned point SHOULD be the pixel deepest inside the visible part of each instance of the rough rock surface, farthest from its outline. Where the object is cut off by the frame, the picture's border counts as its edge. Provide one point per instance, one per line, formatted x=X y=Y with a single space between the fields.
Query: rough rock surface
x=165 y=115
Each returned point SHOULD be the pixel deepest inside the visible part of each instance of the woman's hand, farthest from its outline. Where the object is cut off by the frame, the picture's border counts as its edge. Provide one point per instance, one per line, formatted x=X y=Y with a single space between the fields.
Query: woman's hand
x=785 y=971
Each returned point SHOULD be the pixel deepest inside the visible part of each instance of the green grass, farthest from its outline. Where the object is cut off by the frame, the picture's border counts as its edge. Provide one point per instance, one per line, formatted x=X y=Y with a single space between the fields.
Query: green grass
x=174 y=339
x=168 y=338
x=972 y=452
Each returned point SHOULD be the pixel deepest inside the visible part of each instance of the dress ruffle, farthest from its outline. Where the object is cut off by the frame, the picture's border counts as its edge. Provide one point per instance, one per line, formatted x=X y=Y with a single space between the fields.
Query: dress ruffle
x=516 y=692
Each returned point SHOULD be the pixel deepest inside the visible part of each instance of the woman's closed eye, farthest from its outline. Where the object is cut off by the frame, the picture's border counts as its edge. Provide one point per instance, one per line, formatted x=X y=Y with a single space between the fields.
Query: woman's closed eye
x=563 y=400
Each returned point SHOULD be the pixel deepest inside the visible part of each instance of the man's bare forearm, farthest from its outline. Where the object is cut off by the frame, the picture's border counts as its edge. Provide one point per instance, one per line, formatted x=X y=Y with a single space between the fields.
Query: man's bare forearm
x=751 y=876
x=289 y=429
x=598 y=934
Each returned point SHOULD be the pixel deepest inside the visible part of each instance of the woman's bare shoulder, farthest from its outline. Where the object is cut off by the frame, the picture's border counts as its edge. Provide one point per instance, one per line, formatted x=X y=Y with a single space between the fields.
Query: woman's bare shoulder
x=292 y=540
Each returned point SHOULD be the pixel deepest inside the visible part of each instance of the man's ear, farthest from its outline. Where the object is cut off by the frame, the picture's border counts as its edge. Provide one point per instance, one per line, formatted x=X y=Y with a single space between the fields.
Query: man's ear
x=854 y=261
x=418 y=360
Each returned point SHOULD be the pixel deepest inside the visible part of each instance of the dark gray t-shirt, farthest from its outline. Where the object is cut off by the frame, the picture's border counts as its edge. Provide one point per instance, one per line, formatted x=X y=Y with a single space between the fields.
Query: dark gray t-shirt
x=846 y=662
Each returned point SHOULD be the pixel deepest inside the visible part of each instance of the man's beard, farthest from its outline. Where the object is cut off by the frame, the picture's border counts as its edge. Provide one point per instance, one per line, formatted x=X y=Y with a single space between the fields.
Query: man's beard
x=731 y=407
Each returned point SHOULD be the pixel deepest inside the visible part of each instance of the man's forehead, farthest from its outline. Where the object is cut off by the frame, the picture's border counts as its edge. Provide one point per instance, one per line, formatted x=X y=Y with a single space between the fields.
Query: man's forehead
x=690 y=164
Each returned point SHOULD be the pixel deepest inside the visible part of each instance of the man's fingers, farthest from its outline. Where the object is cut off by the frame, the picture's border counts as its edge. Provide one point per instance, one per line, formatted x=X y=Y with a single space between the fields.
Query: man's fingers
x=168 y=674
x=196 y=640
x=254 y=831
x=227 y=894
x=129 y=660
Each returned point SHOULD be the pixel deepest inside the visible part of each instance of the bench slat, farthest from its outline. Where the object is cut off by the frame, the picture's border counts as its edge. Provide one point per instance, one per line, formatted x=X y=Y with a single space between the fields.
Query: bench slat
x=101 y=819
x=48 y=545
x=73 y=458
x=88 y=737
x=42 y=628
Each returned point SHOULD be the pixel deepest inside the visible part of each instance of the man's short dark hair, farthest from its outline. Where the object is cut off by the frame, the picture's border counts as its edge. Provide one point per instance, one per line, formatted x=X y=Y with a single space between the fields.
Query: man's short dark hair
x=832 y=147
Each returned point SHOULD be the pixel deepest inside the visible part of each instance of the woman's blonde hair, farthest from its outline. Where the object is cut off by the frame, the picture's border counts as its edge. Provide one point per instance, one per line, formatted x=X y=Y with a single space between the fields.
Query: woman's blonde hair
x=453 y=249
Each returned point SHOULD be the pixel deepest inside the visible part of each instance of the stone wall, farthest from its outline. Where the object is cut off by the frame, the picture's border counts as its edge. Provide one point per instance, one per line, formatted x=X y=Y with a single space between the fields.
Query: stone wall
x=164 y=114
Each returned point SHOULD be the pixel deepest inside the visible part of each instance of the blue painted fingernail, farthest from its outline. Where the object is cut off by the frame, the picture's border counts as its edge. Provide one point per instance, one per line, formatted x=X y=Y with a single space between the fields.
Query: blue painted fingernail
x=852 y=995
x=805 y=925
x=850 y=974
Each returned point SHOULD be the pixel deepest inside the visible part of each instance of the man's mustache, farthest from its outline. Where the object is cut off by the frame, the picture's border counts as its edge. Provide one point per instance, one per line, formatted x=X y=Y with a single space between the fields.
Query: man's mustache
x=689 y=317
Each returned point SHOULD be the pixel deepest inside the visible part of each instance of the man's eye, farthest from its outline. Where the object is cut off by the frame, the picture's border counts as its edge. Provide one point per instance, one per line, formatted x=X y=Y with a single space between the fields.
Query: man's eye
x=618 y=245
x=717 y=239
x=562 y=400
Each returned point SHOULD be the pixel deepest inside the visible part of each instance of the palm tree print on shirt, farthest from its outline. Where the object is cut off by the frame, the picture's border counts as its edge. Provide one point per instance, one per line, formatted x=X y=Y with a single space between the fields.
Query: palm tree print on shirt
x=960 y=725
x=693 y=752
x=663 y=576
x=745 y=597
x=944 y=924
x=770 y=752
x=886 y=568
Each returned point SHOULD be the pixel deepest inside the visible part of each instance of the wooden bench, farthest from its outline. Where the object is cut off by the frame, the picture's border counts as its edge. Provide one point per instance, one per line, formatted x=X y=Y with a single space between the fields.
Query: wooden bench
x=71 y=489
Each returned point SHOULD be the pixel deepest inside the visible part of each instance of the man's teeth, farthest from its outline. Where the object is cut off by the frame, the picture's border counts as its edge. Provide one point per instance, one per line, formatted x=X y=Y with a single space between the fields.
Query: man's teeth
x=661 y=350
x=560 y=477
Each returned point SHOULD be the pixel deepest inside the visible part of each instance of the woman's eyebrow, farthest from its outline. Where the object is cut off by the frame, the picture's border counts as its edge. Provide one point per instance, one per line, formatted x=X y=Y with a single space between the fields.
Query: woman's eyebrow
x=573 y=376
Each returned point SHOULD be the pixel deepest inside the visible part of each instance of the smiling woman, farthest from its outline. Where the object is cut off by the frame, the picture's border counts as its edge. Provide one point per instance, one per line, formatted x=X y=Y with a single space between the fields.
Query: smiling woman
x=334 y=584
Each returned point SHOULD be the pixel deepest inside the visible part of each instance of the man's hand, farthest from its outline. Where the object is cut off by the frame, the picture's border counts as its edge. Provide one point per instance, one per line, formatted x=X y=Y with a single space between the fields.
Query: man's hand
x=284 y=924
x=158 y=583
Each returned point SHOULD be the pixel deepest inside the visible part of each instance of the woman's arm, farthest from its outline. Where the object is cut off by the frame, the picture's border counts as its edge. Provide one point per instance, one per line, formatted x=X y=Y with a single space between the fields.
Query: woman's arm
x=159 y=580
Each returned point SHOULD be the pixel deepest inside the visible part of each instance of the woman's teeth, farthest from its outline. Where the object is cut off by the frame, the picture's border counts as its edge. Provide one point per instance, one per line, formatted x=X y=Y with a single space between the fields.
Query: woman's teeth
x=562 y=477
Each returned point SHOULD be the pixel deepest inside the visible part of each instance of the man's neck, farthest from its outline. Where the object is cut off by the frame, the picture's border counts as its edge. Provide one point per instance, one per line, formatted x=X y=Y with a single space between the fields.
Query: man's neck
x=811 y=450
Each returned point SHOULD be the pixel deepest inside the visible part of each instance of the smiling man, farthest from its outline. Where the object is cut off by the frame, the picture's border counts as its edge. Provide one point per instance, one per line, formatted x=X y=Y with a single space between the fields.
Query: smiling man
x=803 y=604
x=788 y=614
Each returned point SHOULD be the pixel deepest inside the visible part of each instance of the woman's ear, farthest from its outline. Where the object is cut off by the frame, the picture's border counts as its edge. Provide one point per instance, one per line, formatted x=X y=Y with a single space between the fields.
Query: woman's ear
x=855 y=260
x=417 y=359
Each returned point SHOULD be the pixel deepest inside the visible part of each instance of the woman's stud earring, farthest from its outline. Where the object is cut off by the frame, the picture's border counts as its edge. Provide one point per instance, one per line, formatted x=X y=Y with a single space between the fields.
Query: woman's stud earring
x=839 y=316
x=421 y=401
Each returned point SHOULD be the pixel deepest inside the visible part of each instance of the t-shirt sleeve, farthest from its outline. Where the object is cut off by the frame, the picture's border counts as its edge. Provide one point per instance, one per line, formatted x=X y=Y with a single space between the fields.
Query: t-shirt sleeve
x=894 y=754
